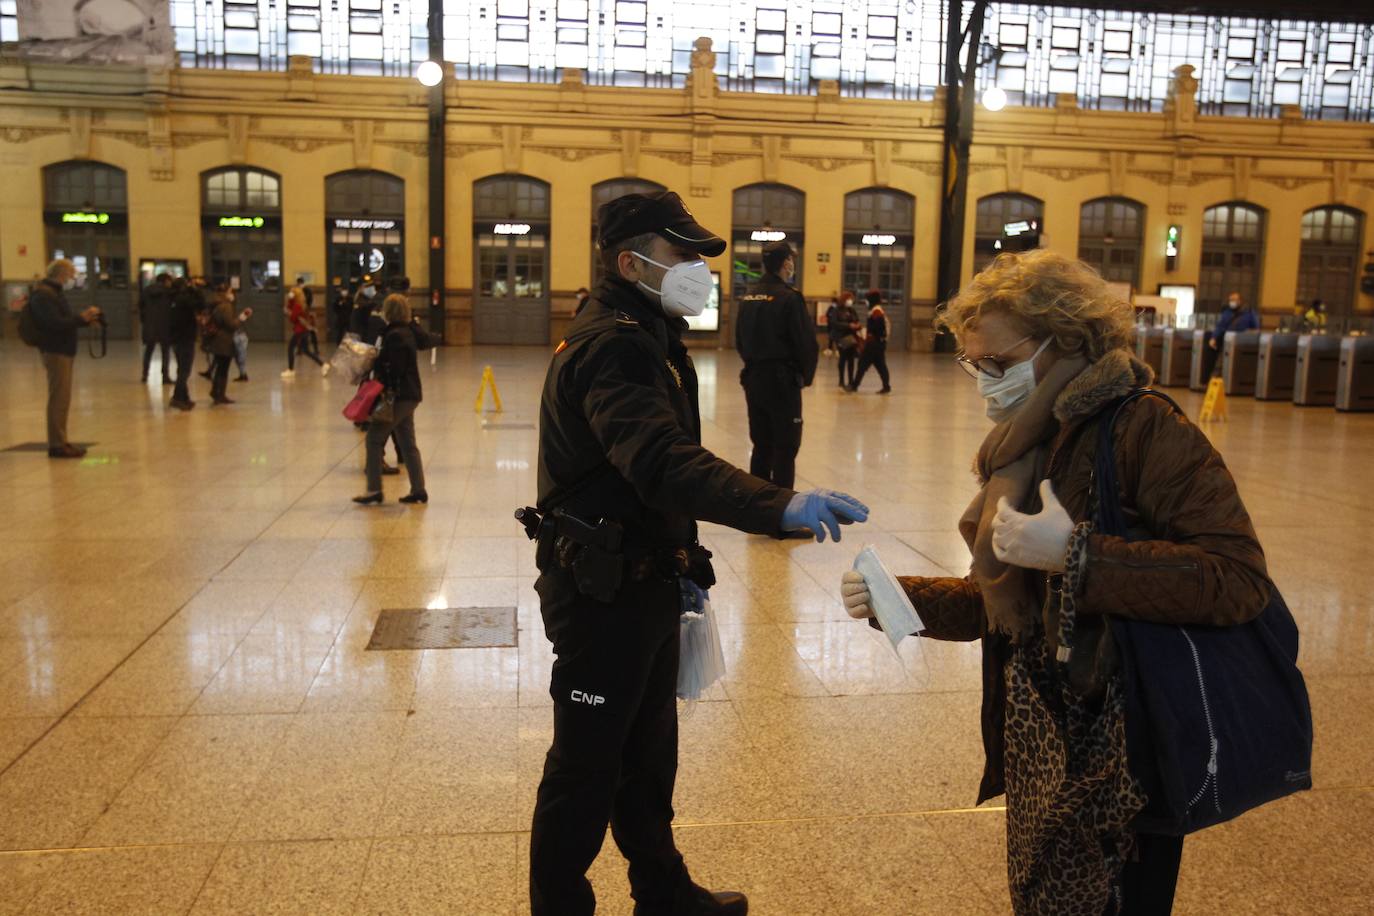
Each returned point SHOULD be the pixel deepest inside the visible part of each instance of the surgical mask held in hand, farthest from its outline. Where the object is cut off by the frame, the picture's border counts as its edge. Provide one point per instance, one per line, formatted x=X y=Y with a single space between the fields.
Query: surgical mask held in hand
x=891 y=607
x=686 y=287
x=1007 y=393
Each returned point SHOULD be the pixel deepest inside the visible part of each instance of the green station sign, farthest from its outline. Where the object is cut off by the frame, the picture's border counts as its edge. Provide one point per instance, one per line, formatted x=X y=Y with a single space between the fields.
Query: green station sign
x=83 y=217
x=241 y=222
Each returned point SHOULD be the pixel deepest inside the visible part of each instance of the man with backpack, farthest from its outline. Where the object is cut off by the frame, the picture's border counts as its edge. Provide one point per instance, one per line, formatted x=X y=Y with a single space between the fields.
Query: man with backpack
x=49 y=324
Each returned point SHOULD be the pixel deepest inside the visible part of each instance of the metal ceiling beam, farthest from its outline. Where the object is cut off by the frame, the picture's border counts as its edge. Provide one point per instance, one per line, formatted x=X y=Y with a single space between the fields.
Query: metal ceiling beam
x=1315 y=11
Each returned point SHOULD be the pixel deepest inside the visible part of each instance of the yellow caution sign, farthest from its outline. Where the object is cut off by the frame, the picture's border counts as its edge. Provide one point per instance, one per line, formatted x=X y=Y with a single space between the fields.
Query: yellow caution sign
x=1214 y=402
x=488 y=381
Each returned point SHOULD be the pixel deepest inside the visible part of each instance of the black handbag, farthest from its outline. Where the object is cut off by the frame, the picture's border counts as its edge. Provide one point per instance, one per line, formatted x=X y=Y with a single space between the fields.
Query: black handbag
x=1217 y=718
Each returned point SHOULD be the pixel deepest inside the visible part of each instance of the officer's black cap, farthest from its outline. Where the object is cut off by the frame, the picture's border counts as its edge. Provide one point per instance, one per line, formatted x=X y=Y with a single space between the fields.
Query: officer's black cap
x=663 y=213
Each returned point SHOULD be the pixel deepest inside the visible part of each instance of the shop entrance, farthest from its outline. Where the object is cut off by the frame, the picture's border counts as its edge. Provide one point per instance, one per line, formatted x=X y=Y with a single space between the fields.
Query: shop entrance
x=85 y=210
x=365 y=226
x=511 y=236
x=241 y=220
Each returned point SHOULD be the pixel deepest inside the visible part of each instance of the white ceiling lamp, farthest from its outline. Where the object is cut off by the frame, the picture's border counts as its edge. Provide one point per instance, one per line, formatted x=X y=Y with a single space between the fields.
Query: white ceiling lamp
x=429 y=73
x=994 y=98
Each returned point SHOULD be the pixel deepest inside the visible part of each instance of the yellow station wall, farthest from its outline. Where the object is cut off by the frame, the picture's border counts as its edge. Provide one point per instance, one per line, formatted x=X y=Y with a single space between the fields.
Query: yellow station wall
x=166 y=128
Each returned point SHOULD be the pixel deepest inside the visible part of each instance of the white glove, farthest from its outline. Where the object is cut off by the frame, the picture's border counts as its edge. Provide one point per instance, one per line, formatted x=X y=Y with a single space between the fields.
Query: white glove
x=854 y=591
x=1033 y=541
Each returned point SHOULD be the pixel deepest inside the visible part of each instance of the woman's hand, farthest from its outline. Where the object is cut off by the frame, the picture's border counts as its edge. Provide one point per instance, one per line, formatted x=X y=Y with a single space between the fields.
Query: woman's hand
x=854 y=592
x=1033 y=541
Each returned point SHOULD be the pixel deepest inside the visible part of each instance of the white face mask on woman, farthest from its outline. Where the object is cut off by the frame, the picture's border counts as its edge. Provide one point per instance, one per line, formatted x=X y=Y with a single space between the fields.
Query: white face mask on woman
x=686 y=287
x=1005 y=394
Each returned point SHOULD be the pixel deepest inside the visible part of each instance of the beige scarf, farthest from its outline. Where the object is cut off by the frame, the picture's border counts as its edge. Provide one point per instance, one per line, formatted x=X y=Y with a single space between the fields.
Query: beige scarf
x=1010 y=463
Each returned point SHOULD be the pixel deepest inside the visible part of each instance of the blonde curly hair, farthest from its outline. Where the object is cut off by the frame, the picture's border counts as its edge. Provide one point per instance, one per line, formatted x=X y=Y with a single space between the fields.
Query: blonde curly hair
x=1051 y=296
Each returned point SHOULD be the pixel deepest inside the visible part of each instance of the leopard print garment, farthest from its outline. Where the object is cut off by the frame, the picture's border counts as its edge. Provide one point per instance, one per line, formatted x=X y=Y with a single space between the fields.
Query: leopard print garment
x=1070 y=795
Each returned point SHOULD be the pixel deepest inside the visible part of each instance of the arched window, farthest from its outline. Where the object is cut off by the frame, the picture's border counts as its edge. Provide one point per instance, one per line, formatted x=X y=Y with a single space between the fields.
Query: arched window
x=84 y=186
x=240 y=189
x=879 y=226
x=1329 y=263
x=764 y=213
x=1006 y=222
x=1232 y=254
x=365 y=192
x=603 y=193
x=1111 y=232
x=511 y=231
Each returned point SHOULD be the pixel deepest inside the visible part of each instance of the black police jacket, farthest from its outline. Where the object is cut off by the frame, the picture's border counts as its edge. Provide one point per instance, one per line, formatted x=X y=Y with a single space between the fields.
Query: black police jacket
x=773 y=323
x=620 y=431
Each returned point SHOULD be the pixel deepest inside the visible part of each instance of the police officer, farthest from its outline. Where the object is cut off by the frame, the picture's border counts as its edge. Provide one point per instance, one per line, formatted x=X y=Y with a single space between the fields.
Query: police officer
x=366 y=320
x=776 y=337
x=622 y=480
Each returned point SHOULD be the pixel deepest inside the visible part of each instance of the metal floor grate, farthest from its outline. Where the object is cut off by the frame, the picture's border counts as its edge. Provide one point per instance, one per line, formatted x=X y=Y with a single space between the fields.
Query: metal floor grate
x=444 y=628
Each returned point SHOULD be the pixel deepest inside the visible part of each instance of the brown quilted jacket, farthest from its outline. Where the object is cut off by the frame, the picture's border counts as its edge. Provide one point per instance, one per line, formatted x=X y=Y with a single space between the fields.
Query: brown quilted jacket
x=1200 y=563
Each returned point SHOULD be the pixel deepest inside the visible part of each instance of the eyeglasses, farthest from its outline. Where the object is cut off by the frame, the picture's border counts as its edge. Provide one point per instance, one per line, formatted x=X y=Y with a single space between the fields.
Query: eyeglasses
x=991 y=366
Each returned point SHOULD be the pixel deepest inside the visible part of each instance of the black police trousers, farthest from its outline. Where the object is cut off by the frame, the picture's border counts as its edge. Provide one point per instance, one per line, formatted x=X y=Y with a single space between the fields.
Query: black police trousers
x=775 y=421
x=614 y=753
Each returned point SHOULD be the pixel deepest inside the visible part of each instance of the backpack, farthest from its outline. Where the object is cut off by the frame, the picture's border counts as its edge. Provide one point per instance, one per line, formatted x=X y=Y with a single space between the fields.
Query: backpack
x=28 y=328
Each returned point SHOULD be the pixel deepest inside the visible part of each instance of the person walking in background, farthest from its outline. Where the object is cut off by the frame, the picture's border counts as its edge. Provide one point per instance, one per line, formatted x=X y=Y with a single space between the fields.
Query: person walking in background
x=299 y=316
x=55 y=326
x=339 y=308
x=843 y=325
x=875 y=344
x=776 y=337
x=154 y=316
x=188 y=303
x=398 y=369
x=241 y=341
x=222 y=328
x=365 y=320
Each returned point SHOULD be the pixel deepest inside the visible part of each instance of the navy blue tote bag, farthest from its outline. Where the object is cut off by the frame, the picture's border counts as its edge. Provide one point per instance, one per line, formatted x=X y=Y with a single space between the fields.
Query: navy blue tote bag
x=1217 y=718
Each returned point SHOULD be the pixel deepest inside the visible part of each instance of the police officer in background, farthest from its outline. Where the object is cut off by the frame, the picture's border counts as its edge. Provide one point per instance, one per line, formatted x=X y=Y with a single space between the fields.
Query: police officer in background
x=776 y=337
x=622 y=480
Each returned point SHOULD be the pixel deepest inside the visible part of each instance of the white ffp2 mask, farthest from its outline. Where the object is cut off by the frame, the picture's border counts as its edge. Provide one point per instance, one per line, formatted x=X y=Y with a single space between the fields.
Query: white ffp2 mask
x=685 y=290
x=1007 y=393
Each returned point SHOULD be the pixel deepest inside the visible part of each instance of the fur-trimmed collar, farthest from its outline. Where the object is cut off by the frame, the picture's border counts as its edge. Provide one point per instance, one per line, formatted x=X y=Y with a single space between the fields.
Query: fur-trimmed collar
x=1113 y=376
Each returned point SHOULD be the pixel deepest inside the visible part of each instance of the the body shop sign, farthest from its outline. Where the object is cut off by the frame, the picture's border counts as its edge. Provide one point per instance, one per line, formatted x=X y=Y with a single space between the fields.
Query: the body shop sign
x=365 y=224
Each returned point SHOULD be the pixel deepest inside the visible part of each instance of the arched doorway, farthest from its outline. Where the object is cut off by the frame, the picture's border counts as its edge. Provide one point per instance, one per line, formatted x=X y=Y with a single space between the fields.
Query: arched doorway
x=511 y=235
x=1232 y=254
x=879 y=227
x=86 y=214
x=764 y=213
x=1111 y=234
x=241 y=220
x=365 y=224
x=603 y=193
x=1330 y=258
x=1006 y=222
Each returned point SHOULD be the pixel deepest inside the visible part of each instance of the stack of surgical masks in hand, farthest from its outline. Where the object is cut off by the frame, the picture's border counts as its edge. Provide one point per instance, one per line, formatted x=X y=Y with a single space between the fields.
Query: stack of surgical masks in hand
x=353 y=360
x=891 y=607
x=701 y=662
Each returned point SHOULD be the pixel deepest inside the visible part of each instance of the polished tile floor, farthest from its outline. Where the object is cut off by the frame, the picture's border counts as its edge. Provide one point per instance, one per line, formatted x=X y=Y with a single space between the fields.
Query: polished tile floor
x=189 y=721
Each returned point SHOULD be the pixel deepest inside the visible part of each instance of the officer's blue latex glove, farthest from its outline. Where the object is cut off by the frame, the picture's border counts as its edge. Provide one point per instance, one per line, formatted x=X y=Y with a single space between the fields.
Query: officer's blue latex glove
x=818 y=510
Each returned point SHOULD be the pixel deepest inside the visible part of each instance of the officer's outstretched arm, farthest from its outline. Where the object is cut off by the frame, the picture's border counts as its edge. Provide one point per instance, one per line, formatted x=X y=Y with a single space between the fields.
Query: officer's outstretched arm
x=626 y=403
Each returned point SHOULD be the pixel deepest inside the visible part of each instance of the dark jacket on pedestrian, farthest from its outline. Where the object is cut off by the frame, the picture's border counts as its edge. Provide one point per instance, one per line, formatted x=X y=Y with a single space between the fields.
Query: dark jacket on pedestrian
x=52 y=315
x=773 y=324
x=877 y=326
x=187 y=304
x=364 y=321
x=620 y=430
x=1237 y=320
x=398 y=364
x=224 y=319
x=155 y=313
x=1198 y=562
x=841 y=321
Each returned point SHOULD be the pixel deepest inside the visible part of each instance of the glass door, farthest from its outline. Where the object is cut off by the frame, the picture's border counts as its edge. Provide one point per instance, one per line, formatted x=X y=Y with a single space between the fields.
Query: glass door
x=512 y=304
x=101 y=256
x=250 y=262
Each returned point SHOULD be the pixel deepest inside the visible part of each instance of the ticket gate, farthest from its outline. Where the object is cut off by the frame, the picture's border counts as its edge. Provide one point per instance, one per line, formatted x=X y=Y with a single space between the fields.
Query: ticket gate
x=1176 y=358
x=1278 y=366
x=1202 y=361
x=1317 y=368
x=1241 y=363
x=1355 y=375
x=1149 y=347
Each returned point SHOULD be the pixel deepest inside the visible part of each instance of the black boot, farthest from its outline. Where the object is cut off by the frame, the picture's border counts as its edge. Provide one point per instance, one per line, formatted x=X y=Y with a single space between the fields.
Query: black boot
x=700 y=902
